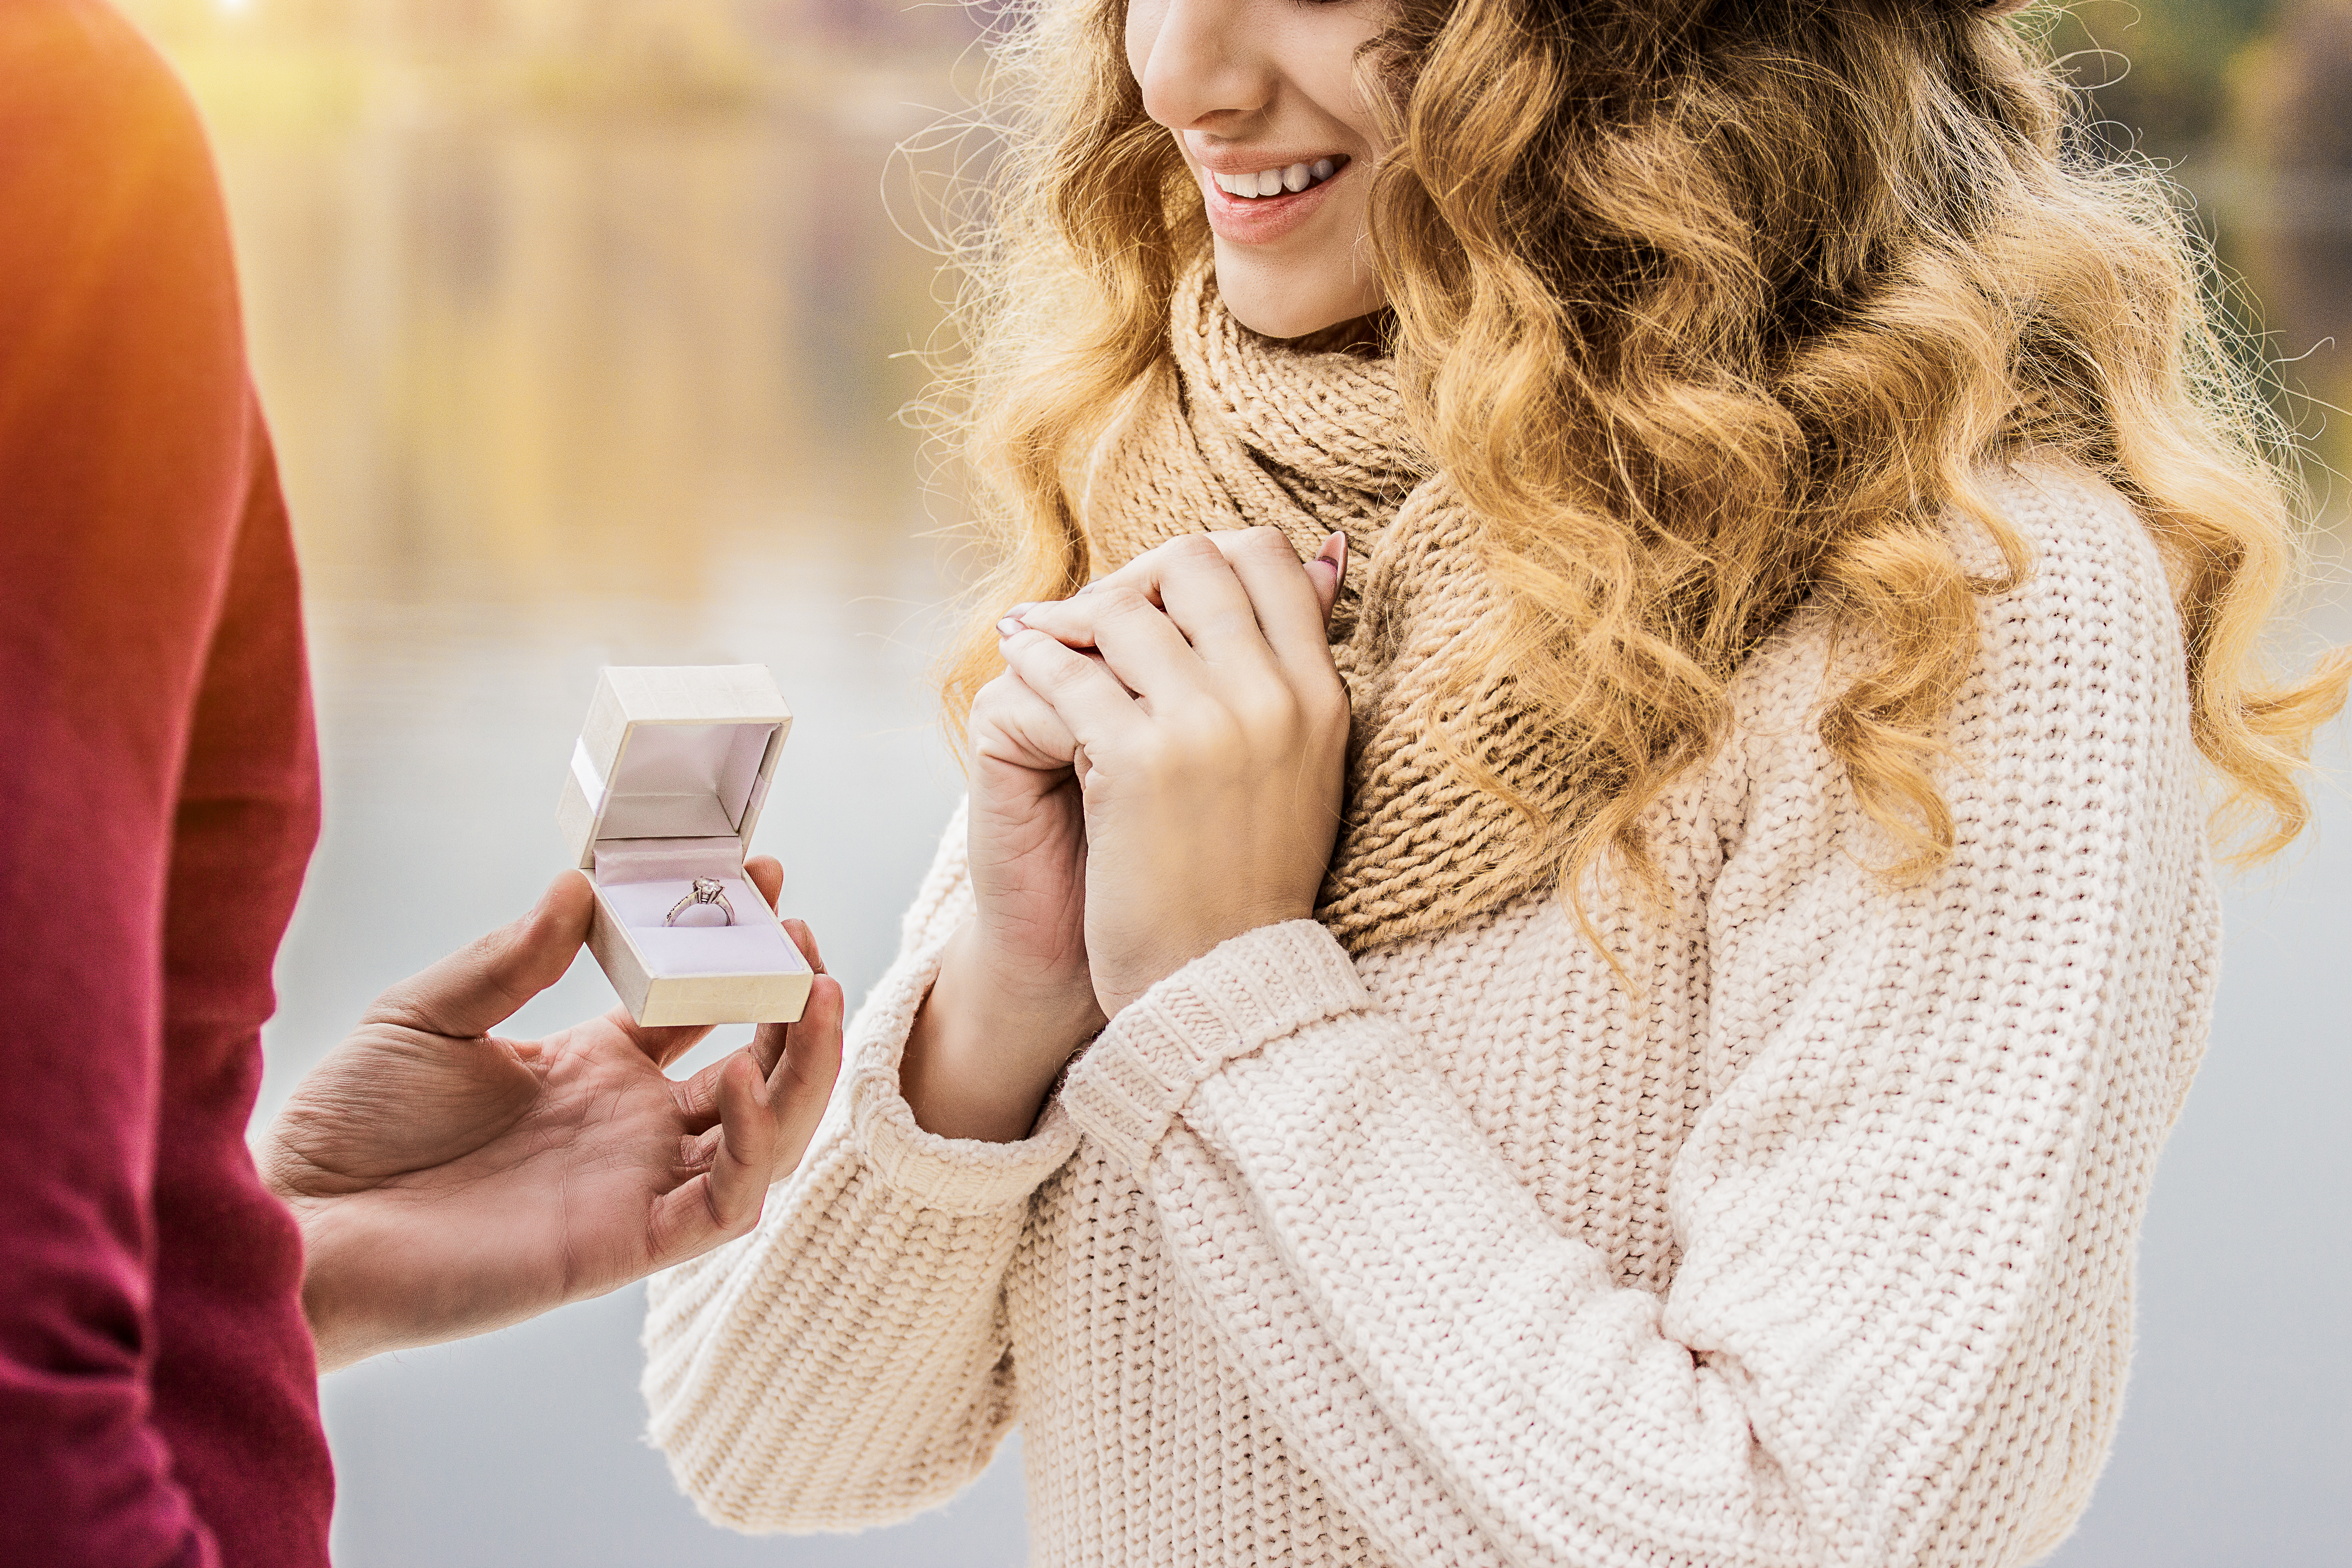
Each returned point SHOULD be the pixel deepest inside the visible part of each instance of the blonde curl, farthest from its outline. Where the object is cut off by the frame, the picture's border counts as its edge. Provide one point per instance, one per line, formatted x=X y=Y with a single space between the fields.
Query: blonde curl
x=1707 y=308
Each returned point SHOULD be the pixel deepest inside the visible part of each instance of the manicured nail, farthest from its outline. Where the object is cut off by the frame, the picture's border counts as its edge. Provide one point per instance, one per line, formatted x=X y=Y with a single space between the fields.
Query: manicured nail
x=1009 y=628
x=1334 y=556
x=1087 y=589
x=1020 y=609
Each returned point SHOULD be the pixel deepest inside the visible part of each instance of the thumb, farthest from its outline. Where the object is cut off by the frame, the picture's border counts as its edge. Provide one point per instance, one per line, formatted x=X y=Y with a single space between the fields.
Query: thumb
x=485 y=982
x=1329 y=565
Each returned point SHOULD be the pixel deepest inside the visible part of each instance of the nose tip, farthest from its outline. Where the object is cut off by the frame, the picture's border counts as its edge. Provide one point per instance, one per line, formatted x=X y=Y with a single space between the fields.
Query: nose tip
x=1200 y=71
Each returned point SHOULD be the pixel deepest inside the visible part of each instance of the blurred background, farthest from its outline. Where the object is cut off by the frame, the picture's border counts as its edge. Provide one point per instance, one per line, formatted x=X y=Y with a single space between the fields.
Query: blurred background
x=583 y=326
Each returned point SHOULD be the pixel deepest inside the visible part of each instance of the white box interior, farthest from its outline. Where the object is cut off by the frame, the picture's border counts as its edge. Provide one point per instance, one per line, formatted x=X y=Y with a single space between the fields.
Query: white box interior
x=641 y=880
x=678 y=781
x=672 y=808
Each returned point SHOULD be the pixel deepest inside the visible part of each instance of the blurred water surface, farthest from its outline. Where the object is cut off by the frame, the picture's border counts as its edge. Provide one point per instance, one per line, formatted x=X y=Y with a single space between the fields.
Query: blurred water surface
x=556 y=390
x=553 y=391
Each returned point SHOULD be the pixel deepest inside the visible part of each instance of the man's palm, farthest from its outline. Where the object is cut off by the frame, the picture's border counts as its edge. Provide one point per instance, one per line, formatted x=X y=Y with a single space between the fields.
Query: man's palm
x=449 y=1183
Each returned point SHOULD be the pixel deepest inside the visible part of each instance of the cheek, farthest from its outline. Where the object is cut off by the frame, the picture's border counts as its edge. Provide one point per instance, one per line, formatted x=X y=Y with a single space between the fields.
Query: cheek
x=1327 y=74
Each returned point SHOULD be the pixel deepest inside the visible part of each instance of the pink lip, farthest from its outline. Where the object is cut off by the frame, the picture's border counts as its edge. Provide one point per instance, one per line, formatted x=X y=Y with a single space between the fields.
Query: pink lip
x=1262 y=220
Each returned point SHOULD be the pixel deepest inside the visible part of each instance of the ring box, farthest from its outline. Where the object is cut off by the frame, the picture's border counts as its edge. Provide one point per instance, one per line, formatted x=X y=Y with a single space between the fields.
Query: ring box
x=668 y=780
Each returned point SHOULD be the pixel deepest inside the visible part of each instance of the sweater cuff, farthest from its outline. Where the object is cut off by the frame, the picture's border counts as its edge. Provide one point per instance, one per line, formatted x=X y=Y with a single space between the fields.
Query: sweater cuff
x=956 y=1175
x=1244 y=992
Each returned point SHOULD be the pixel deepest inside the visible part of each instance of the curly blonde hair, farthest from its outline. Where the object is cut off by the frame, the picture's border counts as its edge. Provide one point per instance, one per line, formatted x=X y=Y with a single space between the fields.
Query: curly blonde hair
x=1707 y=308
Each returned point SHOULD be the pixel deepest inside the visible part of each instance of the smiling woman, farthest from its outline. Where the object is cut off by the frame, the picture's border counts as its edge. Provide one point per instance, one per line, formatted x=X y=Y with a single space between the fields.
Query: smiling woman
x=1632 y=1027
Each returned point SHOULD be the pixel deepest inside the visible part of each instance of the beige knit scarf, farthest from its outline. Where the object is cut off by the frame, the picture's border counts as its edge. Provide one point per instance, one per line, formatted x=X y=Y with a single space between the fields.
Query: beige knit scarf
x=1240 y=431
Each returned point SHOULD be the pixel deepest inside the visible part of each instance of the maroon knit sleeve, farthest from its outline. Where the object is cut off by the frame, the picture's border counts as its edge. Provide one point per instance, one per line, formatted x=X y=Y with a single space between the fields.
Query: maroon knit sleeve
x=147 y=613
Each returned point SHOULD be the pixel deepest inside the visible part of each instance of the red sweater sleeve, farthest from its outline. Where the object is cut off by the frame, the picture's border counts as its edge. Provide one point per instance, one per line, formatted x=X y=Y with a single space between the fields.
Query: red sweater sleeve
x=158 y=798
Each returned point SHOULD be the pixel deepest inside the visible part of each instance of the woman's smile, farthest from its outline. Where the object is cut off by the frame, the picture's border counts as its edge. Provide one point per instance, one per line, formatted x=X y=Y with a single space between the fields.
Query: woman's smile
x=1257 y=206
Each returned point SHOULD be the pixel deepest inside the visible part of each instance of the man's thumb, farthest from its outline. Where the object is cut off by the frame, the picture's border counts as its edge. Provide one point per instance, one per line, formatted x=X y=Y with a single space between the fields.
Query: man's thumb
x=485 y=982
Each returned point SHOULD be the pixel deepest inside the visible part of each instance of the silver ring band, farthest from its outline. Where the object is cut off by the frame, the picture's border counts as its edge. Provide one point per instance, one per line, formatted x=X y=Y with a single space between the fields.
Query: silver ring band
x=706 y=891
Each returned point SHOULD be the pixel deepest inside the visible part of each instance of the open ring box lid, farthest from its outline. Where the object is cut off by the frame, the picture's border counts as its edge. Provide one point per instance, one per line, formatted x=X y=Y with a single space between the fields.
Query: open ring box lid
x=667 y=784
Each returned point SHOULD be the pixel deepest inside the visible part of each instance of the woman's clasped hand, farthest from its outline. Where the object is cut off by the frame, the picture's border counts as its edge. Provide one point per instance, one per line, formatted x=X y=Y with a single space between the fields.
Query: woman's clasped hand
x=1158 y=770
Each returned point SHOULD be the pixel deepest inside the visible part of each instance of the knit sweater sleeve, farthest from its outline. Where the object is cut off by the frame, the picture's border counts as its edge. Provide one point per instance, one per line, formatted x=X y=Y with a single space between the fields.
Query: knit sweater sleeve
x=847 y=1363
x=1897 y=1328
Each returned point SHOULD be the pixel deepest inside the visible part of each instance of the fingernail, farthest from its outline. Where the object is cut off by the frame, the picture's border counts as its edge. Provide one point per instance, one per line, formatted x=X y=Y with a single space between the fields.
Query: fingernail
x=1087 y=589
x=1337 y=556
x=1009 y=626
x=1020 y=609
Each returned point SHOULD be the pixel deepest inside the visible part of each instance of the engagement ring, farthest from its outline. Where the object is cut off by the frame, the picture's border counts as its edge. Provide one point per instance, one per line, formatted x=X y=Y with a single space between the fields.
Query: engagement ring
x=706 y=890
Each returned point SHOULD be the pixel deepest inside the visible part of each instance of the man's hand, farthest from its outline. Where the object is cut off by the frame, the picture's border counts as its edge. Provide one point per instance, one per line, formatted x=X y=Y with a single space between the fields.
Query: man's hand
x=449 y=1182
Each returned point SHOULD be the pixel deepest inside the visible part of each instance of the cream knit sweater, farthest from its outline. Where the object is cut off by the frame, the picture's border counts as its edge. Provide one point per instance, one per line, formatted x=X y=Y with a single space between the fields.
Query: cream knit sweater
x=1811 y=1245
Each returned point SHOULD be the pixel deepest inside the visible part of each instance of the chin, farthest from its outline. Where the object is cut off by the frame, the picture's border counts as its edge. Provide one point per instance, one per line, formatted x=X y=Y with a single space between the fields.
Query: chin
x=1277 y=302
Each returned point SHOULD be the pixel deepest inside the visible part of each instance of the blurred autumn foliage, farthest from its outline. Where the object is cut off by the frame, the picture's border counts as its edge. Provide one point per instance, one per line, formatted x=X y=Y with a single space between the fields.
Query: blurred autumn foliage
x=2293 y=99
x=2247 y=103
x=2159 y=70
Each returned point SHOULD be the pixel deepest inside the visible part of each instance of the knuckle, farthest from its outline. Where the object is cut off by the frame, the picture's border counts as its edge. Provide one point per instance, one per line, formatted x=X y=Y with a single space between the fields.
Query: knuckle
x=1268 y=712
x=1058 y=668
x=1126 y=600
x=1160 y=756
x=1209 y=729
x=1335 y=724
x=1193 y=549
x=1000 y=704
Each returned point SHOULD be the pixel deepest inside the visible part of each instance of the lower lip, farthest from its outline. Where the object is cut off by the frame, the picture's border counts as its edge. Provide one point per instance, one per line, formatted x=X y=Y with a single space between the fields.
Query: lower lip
x=1262 y=220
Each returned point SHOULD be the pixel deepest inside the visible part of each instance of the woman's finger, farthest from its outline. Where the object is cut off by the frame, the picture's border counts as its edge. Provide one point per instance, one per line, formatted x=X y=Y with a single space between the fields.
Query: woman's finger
x=1088 y=697
x=1142 y=645
x=1013 y=725
x=1263 y=559
x=1294 y=606
x=1193 y=580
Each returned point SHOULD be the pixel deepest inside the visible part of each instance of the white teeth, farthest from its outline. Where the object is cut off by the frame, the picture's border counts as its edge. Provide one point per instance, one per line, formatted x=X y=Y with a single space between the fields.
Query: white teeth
x=1276 y=182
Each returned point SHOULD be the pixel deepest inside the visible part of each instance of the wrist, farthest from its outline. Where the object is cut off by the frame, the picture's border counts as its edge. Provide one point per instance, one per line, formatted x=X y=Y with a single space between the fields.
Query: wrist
x=1122 y=977
x=378 y=1279
x=990 y=1040
x=336 y=1336
x=291 y=1180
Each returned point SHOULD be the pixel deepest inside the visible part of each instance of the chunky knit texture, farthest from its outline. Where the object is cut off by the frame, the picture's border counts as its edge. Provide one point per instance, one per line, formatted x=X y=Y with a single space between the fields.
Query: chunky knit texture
x=1803 y=1235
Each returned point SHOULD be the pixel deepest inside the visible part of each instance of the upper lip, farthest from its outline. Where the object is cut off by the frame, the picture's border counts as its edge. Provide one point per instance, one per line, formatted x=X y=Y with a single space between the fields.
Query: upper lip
x=1251 y=163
